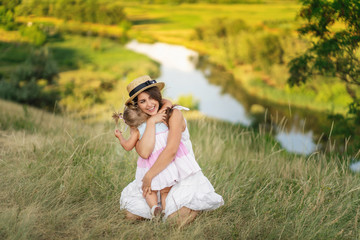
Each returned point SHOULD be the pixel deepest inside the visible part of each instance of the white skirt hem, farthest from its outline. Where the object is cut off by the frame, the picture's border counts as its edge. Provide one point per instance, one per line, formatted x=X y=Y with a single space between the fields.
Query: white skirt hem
x=194 y=192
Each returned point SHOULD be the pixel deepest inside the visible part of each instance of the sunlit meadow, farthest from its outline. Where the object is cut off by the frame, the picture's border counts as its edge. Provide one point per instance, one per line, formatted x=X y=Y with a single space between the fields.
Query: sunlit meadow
x=62 y=178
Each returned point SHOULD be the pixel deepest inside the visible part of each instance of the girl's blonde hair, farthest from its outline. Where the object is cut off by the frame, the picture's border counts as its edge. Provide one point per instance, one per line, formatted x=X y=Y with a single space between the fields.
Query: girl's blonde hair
x=133 y=116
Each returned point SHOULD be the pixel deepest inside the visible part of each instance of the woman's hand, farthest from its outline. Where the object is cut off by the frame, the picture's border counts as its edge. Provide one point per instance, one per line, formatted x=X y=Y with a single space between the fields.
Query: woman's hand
x=159 y=117
x=146 y=186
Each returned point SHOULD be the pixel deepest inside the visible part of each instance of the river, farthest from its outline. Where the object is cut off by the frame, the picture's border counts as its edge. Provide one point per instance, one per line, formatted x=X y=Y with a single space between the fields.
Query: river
x=179 y=69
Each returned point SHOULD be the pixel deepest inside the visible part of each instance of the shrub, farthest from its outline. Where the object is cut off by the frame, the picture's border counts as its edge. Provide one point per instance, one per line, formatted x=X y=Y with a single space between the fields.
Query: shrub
x=34 y=34
x=7 y=19
x=34 y=81
x=188 y=101
x=39 y=65
x=94 y=11
x=271 y=51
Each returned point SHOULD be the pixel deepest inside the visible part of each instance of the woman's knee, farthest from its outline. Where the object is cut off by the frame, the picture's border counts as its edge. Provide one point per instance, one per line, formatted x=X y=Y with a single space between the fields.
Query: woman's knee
x=183 y=216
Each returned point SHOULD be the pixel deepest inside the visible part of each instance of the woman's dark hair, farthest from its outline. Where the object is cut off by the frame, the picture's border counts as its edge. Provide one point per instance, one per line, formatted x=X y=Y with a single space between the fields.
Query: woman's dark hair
x=154 y=93
x=169 y=112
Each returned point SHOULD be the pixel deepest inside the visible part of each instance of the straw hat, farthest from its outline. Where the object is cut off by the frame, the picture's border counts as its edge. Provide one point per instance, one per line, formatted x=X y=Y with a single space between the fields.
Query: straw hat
x=140 y=84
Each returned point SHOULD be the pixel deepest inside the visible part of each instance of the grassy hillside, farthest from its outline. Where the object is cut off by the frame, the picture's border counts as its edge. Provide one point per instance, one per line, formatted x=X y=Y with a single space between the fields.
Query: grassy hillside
x=61 y=178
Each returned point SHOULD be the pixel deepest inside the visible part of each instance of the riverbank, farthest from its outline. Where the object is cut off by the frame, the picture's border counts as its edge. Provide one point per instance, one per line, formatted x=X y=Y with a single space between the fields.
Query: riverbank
x=170 y=24
x=54 y=172
x=177 y=24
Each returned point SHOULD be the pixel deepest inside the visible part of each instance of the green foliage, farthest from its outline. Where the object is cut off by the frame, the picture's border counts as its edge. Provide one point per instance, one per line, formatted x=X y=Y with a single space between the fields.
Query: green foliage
x=125 y=25
x=345 y=128
x=220 y=28
x=271 y=49
x=75 y=14
x=333 y=51
x=239 y=43
x=83 y=91
x=332 y=92
x=35 y=7
x=7 y=19
x=94 y=11
x=7 y=16
x=110 y=14
x=188 y=101
x=38 y=65
x=95 y=72
x=35 y=34
x=34 y=81
x=10 y=4
x=354 y=111
x=175 y=2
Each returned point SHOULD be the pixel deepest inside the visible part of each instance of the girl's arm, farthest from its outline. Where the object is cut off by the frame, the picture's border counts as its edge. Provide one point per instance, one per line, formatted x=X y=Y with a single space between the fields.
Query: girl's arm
x=176 y=127
x=146 y=144
x=131 y=142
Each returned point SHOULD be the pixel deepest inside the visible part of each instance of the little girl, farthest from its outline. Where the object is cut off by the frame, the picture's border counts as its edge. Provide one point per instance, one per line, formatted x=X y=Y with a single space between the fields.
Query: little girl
x=135 y=118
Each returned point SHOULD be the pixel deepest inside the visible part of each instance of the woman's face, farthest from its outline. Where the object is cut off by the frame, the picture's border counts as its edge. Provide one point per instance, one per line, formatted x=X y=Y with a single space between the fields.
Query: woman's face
x=147 y=104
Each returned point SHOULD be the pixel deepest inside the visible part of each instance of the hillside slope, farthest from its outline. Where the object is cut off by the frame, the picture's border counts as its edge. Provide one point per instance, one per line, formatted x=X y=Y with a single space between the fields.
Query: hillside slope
x=61 y=178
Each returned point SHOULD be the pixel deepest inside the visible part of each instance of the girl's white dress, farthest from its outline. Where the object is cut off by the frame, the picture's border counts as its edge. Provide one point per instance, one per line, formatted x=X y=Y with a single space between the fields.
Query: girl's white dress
x=190 y=189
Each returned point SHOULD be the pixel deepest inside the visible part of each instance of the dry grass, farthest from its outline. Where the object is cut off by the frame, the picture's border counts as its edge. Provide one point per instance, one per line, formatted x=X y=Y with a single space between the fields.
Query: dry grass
x=63 y=179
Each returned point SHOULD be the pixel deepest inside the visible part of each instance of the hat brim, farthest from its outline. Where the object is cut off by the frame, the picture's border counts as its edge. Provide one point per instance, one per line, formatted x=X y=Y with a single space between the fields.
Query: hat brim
x=160 y=85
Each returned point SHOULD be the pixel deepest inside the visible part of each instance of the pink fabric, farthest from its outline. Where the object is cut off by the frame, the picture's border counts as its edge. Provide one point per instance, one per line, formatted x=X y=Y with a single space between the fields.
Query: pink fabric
x=162 y=132
x=182 y=166
x=147 y=163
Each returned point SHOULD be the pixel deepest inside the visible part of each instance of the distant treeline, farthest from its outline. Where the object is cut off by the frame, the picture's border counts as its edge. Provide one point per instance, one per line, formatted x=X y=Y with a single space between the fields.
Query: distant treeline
x=95 y=11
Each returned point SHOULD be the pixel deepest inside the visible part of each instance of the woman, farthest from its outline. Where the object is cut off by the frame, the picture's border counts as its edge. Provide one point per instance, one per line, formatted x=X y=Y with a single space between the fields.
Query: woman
x=186 y=197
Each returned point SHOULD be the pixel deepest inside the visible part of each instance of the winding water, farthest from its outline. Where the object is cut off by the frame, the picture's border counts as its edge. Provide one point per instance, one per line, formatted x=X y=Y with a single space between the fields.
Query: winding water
x=179 y=72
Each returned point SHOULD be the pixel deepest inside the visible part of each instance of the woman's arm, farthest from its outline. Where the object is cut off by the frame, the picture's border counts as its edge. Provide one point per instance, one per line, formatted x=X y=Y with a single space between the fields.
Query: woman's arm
x=176 y=127
x=130 y=143
x=146 y=144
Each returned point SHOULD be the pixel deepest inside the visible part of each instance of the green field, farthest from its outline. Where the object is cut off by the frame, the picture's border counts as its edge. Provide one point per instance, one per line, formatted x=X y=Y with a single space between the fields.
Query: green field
x=176 y=23
x=61 y=178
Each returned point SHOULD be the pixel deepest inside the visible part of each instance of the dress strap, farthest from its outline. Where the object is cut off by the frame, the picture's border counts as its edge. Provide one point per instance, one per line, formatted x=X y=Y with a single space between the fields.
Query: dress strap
x=159 y=127
x=181 y=107
x=141 y=129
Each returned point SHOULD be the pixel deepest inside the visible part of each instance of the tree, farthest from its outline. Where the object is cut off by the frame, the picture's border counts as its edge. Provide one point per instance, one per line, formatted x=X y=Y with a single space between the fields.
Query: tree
x=334 y=29
x=10 y=4
x=333 y=51
x=7 y=18
x=334 y=48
